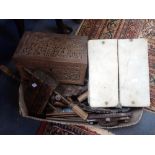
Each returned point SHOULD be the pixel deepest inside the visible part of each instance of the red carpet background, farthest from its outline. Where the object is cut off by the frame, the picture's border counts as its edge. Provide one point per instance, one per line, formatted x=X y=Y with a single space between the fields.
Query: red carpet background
x=111 y=29
x=63 y=129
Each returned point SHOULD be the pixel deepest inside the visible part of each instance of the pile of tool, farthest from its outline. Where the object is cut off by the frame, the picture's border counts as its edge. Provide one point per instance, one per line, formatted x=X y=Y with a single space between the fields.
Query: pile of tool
x=46 y=98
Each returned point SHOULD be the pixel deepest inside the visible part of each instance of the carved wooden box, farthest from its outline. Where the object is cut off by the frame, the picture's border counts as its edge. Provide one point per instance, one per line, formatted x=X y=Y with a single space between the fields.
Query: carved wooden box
x=63 y=56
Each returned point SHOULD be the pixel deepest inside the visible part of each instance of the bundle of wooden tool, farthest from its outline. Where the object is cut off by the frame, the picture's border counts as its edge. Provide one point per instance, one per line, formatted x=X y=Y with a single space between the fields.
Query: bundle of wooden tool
x=46 y=98
x=58 y=102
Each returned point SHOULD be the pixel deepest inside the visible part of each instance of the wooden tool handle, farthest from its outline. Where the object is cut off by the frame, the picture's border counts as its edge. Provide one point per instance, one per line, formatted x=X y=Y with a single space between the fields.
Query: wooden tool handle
x=74 y=107
x=79 y=111
x=83 y=96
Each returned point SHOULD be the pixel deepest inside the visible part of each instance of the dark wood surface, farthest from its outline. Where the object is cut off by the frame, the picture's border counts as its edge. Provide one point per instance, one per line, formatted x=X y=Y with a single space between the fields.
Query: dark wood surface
x=36 y=98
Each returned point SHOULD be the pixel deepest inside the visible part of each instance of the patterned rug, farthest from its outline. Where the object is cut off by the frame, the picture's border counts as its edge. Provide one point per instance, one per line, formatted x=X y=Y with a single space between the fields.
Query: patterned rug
x=111 y=29
x=63 y=129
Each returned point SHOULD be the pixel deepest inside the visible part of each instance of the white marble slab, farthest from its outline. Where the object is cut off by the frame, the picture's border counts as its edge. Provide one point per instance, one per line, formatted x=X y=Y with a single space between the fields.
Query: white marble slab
x=103 y=73
x=133 y=72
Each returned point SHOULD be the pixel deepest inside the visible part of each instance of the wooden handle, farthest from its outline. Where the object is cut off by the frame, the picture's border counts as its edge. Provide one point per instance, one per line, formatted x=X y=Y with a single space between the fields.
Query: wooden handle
x=60 y=104
x=74 y=107
x=79 y=111
x=83 y=96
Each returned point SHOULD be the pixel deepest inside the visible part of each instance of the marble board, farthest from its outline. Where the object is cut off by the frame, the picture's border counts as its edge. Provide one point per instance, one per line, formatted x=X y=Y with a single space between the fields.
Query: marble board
x=118 y=73
x=103 y=73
